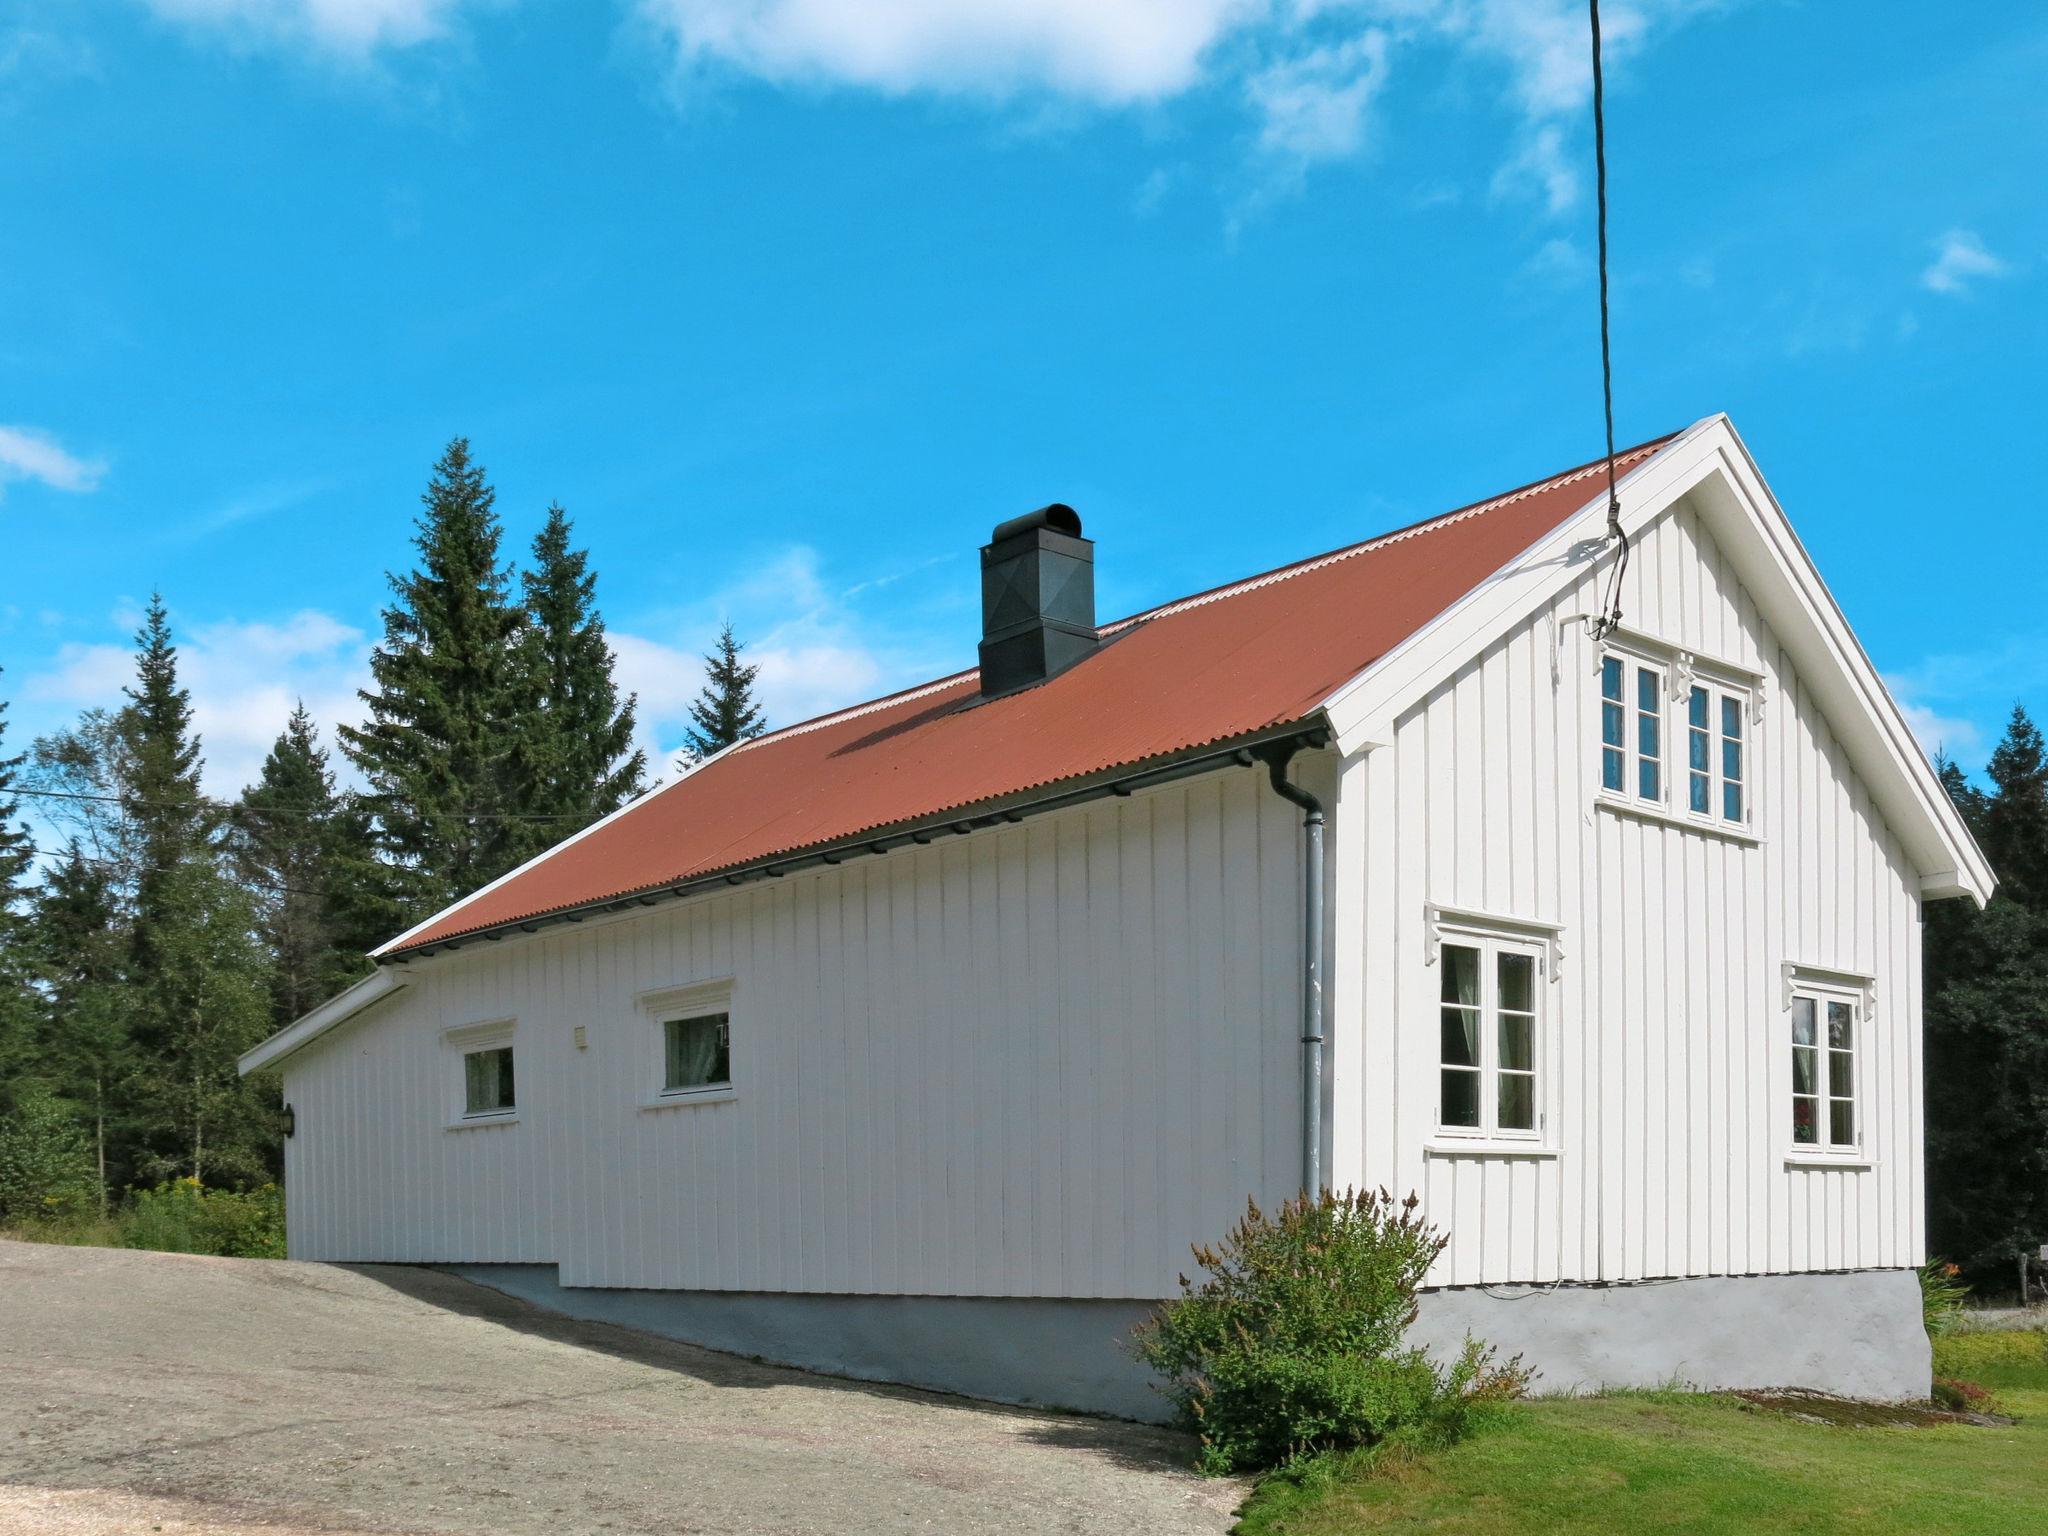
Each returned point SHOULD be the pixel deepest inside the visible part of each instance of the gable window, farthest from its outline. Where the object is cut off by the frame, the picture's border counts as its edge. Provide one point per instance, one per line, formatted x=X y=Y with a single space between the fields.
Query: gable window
x=1675 y=735
x=1827 y=1020
x=697 y=1053
x=487 y=1081
x=1631 y=728
x=1489 y=1034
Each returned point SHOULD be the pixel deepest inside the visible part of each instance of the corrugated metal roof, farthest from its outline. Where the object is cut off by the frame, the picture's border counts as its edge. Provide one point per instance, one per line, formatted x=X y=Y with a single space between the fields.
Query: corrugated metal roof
x=1215 y=667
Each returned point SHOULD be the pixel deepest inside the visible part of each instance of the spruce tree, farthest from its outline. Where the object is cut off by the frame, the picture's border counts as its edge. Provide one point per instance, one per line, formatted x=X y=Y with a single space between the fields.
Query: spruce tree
x=725 y=711
x=193 y=998
x=86 y=1054
x=575 y=761
x=298 y=846
x=449 y=701
x=18 y=1002
x=1986 y=1038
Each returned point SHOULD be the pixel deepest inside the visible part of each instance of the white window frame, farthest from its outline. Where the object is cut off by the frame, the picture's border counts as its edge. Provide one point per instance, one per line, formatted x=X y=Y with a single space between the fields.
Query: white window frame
x=694 y=1000
x=464 y=1042
x=1679 y=672
x=1493 y=936
x=1824 y=989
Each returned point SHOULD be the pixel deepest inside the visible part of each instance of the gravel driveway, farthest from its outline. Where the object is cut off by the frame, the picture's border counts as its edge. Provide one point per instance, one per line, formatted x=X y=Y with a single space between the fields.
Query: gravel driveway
x=159 y=1392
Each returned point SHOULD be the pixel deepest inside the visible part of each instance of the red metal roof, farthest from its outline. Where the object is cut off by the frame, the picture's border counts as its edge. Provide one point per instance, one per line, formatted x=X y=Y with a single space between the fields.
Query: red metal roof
x=1259 y=654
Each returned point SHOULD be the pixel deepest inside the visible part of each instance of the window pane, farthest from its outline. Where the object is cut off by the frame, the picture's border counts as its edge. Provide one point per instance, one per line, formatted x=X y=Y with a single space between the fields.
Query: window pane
x=1702 y=800
x=1518 y=982
x=1804 y=1126
x=1610 y=678
x=1839 y=1017
x=1842 y=1123
x=487 y=1081
x=1698 y=757
x=1461 y=975
x=1517 y=1102
x=1461 y=1037
x=1802 y=1021
x=1646 y=735
x=1841 y=1074
x=1460 y=1098
x=1517 y=1043
x=1731 y=802
x=1731 y=717
x=1731 y=760
x=1611 y=768
x=1647 y=683
x=1696 y=708
x=1649 y=784
x=1611 y=728
x=1805 y=1069
x=697 y=1052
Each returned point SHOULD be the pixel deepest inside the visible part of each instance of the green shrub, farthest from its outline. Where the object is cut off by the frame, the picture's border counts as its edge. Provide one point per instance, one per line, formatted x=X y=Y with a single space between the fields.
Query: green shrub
x=1292 y=1344
x=1942 y=1293
x=184 y=1217
x=46 y=1165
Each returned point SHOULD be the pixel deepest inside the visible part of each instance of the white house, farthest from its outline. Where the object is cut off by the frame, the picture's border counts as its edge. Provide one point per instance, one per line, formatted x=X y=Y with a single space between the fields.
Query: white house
x=920 y=1041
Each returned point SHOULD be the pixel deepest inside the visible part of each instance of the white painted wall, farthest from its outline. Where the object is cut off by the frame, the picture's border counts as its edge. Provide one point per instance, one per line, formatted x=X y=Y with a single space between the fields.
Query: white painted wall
x=1036 y=1060
x=1668 y=1049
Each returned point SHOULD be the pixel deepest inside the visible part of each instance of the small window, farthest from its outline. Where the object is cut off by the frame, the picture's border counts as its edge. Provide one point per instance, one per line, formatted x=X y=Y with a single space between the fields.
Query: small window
x=487 y=1081
x=1631 y=729
x=697 y=1053
x=1714 y=762
x=1824 y=1045
x=1488 y=1020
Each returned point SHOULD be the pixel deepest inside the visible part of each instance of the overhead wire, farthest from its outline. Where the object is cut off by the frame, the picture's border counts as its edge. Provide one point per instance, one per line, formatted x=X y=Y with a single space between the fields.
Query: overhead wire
x=1609 y=619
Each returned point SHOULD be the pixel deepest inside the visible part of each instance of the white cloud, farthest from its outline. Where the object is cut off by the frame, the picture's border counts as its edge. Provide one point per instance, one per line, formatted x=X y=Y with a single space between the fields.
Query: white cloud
x=1539 y=169
x=245 y=678
x=28 y=454
x=351 y=28
x=1313 y=106
x=1960 y=258
x=1109 y=51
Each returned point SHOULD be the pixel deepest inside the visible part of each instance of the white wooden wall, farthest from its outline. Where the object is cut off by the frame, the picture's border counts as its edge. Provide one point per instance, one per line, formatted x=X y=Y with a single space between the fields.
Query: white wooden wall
x=1667 y=1055
x=1036 y=1060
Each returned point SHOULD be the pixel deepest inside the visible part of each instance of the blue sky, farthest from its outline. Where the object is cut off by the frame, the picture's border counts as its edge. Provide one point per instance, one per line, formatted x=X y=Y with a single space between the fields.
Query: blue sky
x=789 y=300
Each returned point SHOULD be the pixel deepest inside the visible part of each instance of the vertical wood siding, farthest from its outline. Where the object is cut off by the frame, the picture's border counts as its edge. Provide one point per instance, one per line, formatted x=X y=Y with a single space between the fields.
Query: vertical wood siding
x=1666 y=1053
x=1036 y=1060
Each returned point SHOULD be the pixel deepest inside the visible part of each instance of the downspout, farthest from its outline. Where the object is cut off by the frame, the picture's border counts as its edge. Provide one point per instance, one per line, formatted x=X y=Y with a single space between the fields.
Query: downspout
x=1311 y=966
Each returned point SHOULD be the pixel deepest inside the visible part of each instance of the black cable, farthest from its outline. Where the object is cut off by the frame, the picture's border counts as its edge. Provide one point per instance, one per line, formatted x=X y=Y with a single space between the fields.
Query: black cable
x=236 y=808
x=1610 y=615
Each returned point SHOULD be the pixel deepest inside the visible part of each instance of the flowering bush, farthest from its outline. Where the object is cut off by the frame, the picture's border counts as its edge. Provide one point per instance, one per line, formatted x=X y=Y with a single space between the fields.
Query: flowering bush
x=1293 y=1343
x=1941 y=1295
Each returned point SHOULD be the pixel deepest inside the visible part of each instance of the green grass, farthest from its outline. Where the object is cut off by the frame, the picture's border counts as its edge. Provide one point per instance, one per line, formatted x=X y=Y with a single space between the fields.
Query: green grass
x=1662 y=1463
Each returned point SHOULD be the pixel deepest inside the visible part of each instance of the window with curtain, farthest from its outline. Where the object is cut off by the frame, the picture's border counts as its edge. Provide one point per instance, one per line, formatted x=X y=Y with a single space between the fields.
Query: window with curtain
x=697 y=1053
x=1488 y=1022
x=487 y=1081
x=1824 y=1044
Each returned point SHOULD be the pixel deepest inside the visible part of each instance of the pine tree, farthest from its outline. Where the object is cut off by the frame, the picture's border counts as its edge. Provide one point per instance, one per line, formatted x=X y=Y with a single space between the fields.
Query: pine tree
x=725 y=711
x=298 y=846
x=193 y=997
x=1985 y=1041
x=450 y=699
x=575 y=761
x=18 y=1003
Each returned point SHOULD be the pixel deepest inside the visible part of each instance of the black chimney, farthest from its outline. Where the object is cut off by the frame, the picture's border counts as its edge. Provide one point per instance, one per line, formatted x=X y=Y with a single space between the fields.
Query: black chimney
x=1037 y=599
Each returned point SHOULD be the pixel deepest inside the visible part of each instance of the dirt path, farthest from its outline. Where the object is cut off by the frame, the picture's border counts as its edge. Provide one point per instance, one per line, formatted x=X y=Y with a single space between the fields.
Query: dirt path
x=157 y=1392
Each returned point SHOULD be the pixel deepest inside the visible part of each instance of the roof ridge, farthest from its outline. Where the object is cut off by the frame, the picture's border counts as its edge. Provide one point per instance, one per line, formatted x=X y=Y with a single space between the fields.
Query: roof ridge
x=1236 y=588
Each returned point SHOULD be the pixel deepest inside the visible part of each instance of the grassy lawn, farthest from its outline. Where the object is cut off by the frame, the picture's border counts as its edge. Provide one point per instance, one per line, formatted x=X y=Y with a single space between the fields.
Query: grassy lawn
x=1673 y=1462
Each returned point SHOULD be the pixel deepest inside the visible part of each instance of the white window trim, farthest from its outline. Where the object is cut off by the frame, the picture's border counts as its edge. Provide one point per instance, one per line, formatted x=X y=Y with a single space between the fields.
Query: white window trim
x=657 y=1008
x=1682 y=669
x=1825 y=984
x=1492 y=933
x=487 y=1035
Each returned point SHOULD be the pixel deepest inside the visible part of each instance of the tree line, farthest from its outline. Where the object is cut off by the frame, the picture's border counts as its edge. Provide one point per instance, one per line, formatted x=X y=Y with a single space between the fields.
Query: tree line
x=167 y=932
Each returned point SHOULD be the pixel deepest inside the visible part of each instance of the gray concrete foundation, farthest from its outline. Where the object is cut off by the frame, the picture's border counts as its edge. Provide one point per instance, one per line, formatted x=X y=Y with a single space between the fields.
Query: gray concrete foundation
x=1045 y=1352
x=1858 y=1335
x=1855 y=1335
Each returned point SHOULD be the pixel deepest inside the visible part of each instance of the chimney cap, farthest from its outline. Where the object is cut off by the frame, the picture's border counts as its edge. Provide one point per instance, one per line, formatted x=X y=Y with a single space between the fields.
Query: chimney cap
x=1059 y=517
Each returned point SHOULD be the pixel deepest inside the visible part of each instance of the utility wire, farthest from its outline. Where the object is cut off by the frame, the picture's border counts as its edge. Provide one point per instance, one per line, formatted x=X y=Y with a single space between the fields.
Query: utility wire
x=237 y=808
x=1610 y=611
